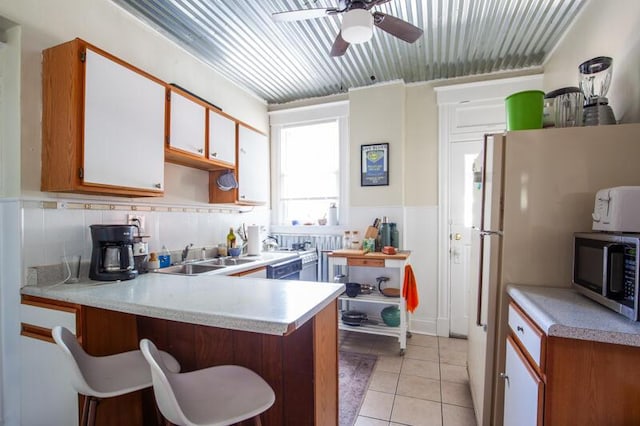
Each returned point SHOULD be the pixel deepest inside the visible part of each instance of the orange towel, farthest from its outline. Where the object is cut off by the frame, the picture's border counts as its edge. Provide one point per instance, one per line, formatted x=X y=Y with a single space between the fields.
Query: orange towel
x=410 y=289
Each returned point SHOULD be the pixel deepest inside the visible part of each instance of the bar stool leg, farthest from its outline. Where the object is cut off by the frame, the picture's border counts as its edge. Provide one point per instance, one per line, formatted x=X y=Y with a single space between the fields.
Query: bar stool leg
x=257 y=420
x=89 y=408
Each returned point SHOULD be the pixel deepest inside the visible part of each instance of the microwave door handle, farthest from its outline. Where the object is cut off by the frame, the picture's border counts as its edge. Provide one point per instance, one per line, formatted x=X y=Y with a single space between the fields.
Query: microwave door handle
x=607 y=252
x=605 y=269
x=607 y=261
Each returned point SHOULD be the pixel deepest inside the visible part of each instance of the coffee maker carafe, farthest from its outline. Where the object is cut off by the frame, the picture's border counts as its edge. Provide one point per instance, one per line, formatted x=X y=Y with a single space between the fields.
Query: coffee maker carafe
x=112 y=252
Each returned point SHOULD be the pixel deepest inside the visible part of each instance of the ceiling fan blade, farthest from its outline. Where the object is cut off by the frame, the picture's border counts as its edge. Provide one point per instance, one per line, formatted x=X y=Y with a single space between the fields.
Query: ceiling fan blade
x=397 y=27
x=340 y=46
x=299 y=15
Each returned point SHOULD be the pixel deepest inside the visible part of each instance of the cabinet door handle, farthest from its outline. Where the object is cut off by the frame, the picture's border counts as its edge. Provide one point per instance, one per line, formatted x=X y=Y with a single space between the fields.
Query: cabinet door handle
x=520 y=329
x=158 y=185
x=213 y=154
x=200 y=150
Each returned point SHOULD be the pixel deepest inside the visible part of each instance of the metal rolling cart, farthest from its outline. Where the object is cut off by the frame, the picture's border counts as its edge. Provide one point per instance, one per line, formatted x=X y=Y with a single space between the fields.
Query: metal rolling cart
x=361 y=266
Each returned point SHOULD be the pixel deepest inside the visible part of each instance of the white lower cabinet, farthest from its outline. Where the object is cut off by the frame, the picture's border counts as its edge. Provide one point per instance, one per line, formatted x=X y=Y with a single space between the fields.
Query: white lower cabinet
x=46 y=395
x=523 y=390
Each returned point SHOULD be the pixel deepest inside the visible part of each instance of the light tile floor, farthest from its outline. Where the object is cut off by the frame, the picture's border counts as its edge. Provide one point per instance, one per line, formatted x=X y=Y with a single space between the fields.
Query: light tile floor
x=428 y=386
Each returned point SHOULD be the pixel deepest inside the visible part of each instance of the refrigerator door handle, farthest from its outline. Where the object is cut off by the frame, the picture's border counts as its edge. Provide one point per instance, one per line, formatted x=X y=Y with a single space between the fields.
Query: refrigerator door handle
x=485 y=146
x=486 y=232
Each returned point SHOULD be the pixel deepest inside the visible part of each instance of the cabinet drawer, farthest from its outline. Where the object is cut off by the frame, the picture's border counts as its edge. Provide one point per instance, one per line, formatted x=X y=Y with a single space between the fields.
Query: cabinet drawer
x=527 y=333
x=47 y=318
x=376 y=263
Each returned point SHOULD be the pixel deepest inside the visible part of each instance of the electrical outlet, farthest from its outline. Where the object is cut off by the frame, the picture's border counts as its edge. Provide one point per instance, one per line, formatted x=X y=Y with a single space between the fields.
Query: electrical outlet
x=137 y=219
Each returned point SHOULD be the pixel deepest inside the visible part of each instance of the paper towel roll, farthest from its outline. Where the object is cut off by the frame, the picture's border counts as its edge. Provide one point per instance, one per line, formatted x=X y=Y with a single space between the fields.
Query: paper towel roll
x=253 y=240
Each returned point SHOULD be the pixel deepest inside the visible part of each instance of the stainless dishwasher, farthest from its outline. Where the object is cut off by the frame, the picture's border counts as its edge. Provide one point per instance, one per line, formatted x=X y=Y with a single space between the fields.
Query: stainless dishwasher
x=286 y=270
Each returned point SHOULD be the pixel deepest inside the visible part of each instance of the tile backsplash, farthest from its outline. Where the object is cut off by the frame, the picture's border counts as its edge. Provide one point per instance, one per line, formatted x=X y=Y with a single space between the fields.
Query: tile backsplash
x=49 y=233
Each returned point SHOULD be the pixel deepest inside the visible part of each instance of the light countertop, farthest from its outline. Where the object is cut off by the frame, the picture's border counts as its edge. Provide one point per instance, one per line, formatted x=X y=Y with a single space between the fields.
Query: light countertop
x=563 y=312
x=250 y=304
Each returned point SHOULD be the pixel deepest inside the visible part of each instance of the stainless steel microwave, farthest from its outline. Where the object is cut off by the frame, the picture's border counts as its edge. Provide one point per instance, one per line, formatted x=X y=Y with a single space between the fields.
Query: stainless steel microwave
x=605 y=269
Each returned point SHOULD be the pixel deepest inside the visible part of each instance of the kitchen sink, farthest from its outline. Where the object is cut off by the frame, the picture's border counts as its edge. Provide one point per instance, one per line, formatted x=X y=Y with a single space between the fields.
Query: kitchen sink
x=204 y=266
x=227 y=261
x=189 y=269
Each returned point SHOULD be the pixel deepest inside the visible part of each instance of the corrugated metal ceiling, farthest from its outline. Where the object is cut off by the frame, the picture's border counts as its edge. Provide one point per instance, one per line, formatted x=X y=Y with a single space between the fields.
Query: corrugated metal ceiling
x=286 y=61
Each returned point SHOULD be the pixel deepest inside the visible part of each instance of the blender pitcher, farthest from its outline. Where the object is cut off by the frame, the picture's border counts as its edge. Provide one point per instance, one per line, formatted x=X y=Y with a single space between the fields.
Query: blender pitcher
x=595 y=78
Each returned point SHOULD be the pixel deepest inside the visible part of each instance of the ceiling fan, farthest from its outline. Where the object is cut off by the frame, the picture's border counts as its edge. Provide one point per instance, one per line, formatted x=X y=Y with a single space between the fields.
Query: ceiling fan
x=357 y=22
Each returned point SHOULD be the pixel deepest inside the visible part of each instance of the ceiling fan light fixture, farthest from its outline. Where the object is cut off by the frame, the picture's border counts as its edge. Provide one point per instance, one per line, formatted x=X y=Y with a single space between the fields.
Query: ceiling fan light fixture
x=357 y=26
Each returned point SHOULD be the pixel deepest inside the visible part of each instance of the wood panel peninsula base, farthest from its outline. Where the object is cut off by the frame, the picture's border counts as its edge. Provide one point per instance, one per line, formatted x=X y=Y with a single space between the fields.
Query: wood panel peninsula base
x=301 y=366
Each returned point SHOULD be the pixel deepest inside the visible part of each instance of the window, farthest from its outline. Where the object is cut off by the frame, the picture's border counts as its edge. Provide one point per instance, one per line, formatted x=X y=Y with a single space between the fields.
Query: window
x=309 y=151
x=309 y=171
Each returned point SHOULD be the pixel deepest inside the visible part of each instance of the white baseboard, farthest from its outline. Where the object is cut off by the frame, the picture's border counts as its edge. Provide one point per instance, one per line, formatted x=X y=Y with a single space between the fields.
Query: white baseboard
x=443 y=327
x=423 y=326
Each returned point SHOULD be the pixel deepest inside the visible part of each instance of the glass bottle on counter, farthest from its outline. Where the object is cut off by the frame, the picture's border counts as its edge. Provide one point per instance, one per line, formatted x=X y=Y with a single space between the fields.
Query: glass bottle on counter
x=355 y=240
x=346 y=240
x=231 y=239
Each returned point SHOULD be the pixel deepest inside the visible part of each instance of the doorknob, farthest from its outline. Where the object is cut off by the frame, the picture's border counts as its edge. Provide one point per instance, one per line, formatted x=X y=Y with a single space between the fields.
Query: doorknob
x=457 y=236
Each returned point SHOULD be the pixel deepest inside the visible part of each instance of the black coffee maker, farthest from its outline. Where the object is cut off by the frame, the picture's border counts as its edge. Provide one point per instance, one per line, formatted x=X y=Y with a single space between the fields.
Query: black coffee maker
x=112 y=253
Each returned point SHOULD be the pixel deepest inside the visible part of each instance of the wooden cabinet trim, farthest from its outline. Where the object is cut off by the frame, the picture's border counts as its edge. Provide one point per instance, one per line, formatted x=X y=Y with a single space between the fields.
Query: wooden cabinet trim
x=325 y=333
x=41 y=302
x=250 y=271
x=44 y=333
x=36 y=332
x=541 y=335
x=184 y=158
x=176 y=155
x=243 y=124
x=63 y=89
x=120 y=61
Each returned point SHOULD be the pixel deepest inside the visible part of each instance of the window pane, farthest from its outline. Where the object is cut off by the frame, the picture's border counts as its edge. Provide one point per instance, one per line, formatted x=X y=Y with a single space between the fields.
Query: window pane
x=309 y=170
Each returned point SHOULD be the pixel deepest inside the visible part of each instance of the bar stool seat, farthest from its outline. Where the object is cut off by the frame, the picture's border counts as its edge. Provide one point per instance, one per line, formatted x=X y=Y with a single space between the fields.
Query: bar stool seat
x=214 y=396
x=105 y=376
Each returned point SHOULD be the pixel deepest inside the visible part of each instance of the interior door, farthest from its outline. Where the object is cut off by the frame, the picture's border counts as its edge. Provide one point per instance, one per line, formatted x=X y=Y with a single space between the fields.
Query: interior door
x=462 y=156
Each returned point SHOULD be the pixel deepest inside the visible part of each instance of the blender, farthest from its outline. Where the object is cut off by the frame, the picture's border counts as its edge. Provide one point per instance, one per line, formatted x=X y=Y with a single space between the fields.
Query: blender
x=595 y=78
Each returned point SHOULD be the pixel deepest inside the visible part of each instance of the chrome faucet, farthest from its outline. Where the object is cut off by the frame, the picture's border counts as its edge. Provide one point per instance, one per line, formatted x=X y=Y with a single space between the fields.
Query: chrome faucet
x=185 y=252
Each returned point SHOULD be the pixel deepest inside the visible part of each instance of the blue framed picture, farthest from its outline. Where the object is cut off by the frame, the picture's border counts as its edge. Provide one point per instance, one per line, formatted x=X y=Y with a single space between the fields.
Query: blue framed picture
x=374 y=164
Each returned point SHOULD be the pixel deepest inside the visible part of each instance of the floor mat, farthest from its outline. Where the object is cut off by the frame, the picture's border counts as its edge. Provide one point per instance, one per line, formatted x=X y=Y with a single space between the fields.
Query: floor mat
x=355 y=372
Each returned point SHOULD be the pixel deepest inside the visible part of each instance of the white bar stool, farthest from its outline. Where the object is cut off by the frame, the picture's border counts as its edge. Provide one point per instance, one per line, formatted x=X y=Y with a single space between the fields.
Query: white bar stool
x=214 y=396
x=105 y=376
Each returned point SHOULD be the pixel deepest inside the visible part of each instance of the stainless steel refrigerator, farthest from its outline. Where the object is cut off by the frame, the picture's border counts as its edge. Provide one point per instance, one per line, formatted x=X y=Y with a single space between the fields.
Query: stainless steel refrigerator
x=532 y=190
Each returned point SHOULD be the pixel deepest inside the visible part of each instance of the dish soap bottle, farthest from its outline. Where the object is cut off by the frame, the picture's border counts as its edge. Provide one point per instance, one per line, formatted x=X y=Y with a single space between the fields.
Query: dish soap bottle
x=231 y=239
x=164 y=259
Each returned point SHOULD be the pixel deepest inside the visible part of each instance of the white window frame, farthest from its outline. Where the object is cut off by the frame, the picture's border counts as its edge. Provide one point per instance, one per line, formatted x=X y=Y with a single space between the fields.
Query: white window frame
x=309 y=115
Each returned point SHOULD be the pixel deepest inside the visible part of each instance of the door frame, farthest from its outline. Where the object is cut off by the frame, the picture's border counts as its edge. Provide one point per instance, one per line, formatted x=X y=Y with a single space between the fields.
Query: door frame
x=448 y=98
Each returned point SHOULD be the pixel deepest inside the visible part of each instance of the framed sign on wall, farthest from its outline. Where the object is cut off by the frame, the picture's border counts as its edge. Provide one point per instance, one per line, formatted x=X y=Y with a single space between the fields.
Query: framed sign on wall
x=374 y=164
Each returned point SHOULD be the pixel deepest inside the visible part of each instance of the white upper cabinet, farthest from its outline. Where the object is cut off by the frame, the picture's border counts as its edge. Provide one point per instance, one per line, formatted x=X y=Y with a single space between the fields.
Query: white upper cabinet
x=186 y=124
x=123 y=126
x=253 y=166
x=103 y=124
x=222 y=138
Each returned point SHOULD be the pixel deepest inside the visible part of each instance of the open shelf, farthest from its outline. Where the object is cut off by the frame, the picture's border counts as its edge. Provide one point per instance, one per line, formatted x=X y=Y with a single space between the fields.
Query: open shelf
x=372 y=298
